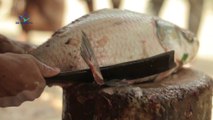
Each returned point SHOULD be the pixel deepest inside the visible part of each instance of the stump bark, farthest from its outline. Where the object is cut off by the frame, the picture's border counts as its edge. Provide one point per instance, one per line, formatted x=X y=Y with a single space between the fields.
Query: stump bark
x=186 y=95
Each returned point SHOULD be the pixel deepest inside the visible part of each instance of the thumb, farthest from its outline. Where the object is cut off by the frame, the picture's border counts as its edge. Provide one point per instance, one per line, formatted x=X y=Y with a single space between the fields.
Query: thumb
x=46 y=70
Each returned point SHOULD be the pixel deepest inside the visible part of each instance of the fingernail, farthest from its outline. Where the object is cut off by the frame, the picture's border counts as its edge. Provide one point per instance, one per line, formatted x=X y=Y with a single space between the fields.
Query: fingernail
x=57 y=69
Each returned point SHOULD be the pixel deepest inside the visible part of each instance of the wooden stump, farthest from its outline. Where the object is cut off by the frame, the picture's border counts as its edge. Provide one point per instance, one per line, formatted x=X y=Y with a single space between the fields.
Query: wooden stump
x=186 y=95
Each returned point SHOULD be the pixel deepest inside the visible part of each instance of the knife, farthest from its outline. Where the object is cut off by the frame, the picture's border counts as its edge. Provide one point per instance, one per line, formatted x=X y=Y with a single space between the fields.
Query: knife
x=128 y=70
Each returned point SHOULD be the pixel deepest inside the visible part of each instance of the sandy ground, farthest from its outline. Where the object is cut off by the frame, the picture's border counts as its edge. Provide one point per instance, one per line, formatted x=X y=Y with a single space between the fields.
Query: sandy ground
x=49 y=105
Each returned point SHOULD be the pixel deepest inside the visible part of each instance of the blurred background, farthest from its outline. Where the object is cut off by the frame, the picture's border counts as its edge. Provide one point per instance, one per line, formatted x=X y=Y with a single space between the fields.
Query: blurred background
x=47 y=16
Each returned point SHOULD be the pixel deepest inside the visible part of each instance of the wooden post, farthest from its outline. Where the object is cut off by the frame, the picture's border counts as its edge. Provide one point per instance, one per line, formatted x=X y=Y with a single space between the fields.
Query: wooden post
x=186 y=95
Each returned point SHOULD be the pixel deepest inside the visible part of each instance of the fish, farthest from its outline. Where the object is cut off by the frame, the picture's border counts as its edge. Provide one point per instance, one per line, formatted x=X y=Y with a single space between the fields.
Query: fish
x=111 y=36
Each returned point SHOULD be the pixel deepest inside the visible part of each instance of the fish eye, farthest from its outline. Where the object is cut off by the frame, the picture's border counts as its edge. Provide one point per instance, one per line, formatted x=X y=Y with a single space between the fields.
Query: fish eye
x=188 y=35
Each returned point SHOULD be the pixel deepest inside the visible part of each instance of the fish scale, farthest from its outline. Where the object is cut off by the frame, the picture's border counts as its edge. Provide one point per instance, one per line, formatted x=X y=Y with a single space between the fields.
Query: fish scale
x=116 y=36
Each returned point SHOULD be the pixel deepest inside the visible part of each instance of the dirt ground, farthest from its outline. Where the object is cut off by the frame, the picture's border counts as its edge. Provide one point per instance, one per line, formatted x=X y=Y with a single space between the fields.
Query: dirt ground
x=47 y=107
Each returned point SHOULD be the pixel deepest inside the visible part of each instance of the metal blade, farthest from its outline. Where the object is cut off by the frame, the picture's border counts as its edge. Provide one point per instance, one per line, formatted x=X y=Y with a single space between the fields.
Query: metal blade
x=129 y=70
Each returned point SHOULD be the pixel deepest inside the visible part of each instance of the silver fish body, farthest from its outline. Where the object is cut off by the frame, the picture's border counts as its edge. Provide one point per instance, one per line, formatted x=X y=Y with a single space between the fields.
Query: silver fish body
x=116 y=36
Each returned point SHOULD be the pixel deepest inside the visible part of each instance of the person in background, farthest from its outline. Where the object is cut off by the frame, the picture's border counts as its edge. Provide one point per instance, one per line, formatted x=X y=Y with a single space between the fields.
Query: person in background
x=90 y=4
x=195 y=12
x=45 y=15
x=21 y=74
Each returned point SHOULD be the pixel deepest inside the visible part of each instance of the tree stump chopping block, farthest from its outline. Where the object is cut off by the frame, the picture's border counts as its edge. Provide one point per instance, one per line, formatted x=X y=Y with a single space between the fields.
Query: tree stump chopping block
x=186 y=95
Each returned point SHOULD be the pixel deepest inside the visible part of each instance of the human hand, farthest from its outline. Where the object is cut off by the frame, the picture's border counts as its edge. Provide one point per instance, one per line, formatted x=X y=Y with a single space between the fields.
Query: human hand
x=7 y=45
x=22 y=78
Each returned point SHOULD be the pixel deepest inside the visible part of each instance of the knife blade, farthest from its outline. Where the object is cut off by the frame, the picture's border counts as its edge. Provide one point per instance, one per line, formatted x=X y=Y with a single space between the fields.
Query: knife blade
x=128 y=70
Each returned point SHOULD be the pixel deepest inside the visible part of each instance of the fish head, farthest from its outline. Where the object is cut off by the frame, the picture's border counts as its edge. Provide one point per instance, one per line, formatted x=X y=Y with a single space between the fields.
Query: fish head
x=172 y=37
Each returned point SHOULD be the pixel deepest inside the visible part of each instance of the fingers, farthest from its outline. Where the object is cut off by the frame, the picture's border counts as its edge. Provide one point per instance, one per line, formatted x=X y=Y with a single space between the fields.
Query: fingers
x=47 y=71
x=10 y=101
x=26 y=83
x=25 y=95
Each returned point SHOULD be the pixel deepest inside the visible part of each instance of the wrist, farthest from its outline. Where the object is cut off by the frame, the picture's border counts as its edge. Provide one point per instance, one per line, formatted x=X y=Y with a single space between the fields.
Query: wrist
x=4 y=57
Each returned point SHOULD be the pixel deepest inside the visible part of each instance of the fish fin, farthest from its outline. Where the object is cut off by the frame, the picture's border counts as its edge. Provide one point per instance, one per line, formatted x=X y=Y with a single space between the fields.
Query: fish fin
x=89 y=57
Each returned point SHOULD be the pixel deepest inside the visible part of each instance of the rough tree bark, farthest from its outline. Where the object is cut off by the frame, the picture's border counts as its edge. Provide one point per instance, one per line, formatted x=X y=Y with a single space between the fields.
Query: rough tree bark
x=183 y=96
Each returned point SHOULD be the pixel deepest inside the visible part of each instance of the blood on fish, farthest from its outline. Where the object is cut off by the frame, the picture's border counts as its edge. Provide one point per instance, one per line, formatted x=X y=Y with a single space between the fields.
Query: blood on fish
x=102 y=42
